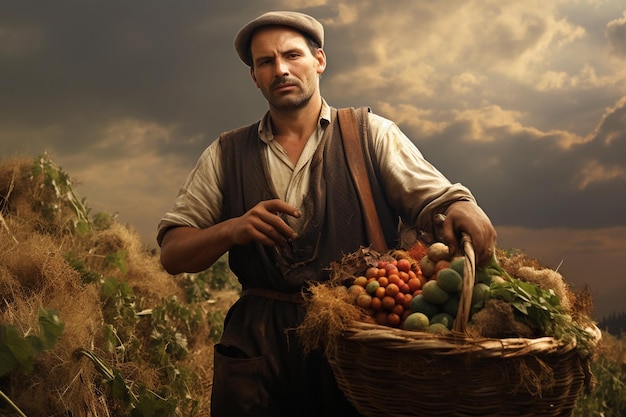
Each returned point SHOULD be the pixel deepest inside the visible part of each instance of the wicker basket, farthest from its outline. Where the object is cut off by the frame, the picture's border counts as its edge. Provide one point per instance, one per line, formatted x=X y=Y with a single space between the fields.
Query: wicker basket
x=392 y=372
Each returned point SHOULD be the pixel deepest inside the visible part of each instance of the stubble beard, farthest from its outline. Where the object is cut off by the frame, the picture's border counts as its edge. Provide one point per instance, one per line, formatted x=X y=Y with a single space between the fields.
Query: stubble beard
x=289 y=101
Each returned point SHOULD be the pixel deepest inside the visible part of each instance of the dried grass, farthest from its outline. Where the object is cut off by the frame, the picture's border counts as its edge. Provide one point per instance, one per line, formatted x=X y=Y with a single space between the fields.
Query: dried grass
x=34 y=274
x=496 y=320
x=329 y=311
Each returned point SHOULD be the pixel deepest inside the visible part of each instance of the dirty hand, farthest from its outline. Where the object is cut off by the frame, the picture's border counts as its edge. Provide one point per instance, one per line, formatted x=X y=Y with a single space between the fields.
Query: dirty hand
x=263 y=224
x=468 y=217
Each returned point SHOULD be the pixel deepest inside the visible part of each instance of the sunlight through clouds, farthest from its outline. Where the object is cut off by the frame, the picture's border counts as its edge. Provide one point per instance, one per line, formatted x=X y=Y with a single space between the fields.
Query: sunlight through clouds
x=616 y=35
x=466 y=83
x=595 y=172
x=420 y=120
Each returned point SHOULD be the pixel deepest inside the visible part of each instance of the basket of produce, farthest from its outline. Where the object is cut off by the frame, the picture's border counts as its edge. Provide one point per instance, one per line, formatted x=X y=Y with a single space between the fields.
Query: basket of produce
x=424 y=333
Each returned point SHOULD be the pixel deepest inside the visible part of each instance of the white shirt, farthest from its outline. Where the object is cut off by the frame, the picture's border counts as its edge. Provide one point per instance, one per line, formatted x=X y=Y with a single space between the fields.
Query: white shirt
x=415 y=189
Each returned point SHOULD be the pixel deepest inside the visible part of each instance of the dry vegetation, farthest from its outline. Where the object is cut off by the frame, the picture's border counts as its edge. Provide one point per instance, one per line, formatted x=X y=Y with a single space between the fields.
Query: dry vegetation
x=122 y=315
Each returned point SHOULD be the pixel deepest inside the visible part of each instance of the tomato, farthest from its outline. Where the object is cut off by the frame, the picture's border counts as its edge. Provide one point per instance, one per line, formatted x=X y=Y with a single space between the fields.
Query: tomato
x=392 y=289
x=394 y=279
x=371 y=272
x=393 y=320
x=388 y=302
x=360 y=280
x=404 y=265
x=414 y=284
x=407 y=301
x=364 y=300
x=442 y=264
x=398 y=309
x=380 y=292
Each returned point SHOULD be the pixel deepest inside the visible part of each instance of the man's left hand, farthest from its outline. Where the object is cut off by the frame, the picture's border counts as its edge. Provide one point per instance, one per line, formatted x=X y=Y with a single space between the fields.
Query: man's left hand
x=468 y=217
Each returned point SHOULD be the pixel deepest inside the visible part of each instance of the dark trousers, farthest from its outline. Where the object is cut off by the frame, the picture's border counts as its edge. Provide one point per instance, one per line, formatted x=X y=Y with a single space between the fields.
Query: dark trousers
x=260 y=368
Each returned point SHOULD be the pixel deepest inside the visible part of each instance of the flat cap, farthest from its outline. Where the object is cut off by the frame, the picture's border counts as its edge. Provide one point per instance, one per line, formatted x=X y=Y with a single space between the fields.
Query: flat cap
x=299 y=21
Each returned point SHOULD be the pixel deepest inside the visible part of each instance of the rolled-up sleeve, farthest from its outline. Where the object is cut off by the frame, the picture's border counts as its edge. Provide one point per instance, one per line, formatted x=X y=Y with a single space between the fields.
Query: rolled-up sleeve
x=413 y=186
x=199 y=200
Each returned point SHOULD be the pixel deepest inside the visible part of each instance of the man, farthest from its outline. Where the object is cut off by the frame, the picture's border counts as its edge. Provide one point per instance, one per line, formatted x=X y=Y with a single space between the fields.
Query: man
x=278 y=197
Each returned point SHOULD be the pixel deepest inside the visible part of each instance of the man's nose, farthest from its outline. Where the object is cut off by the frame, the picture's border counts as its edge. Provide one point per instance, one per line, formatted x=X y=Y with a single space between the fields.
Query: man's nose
x=281 y=67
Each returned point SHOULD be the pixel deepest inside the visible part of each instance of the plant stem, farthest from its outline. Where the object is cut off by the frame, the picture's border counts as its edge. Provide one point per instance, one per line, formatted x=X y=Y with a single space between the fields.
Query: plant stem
x=19 y=412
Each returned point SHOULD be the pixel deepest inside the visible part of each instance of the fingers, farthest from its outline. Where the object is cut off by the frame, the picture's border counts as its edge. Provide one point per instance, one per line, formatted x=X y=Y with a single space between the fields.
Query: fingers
x=270 y=229
x=279 y=206
x=444 y=229
x=466 y=217
x=264 y=224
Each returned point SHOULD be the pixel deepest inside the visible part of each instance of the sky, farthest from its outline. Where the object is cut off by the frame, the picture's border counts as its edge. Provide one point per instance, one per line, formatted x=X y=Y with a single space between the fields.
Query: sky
x=522 y=102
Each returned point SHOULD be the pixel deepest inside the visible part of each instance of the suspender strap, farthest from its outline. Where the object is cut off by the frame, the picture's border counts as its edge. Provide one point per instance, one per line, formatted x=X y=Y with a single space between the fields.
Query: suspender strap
x=355 y=156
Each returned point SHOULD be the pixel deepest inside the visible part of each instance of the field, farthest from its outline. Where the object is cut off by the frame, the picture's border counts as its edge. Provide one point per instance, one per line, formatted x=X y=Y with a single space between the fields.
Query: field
x=90 y=324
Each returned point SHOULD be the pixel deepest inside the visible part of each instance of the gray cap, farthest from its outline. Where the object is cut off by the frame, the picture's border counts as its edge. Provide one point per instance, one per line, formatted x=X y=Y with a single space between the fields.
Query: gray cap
x=296 y=20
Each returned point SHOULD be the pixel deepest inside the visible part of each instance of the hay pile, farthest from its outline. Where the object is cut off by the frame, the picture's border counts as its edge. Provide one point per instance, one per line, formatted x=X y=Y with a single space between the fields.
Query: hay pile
x=39 y=232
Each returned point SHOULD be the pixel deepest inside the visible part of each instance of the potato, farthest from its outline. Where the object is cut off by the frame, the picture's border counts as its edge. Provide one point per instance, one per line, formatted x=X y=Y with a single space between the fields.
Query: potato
x=438 y=251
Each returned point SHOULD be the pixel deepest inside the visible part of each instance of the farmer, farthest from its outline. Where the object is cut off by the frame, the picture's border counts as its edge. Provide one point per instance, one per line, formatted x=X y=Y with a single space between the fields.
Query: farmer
x=278 y=197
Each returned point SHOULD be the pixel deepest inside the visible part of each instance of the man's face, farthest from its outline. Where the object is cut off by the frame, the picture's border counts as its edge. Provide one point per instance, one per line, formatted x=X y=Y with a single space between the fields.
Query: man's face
x=285 y=70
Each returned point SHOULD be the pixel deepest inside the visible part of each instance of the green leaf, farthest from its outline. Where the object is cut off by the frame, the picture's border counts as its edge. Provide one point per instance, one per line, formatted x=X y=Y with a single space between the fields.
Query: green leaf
x=151 y=405
x=117 y=260
x=120 y=390
x=51 y=327
x=19 y=347
x=109 y=287
x=36 y=343
x=7 y=360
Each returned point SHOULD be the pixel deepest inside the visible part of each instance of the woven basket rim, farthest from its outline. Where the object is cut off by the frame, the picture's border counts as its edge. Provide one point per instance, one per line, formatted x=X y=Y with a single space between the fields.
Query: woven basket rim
x=455 y=343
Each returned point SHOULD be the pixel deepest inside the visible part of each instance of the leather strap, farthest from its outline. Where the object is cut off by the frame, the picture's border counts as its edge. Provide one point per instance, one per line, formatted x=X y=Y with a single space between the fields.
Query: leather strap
x=289 y=297
x=356 y=163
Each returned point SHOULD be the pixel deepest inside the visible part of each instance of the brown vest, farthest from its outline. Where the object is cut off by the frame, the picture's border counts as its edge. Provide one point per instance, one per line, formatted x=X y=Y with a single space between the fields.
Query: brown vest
x=335 y=224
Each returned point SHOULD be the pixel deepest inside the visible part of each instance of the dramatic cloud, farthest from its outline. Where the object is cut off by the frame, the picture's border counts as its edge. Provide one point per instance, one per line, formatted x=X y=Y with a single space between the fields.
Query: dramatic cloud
x=616 y=35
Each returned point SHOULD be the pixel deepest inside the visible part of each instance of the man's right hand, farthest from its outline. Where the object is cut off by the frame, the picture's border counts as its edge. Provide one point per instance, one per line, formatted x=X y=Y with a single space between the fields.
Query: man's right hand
x=187 y=249
x=263 y=223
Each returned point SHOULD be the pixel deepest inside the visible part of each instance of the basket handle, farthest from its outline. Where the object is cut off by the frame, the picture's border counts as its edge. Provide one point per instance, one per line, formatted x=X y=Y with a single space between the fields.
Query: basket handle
x=469 y=272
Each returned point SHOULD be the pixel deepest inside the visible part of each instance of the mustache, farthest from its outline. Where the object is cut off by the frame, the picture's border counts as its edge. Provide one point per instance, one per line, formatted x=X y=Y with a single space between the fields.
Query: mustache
x=284 y=80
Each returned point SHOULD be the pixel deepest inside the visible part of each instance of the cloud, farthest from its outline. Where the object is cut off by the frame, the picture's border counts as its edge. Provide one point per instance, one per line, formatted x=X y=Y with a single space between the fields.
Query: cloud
x=405 y=47
x=74 y=69
x=595 y=172
x=613 y=123
x=616 y=36
x=466 y=83
x=127 y=173
x=520 y=172
x=421 y=121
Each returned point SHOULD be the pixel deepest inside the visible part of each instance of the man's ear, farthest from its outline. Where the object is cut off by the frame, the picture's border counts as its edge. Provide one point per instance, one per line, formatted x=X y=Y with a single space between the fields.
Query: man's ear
x=320 y=55
x=253 y=77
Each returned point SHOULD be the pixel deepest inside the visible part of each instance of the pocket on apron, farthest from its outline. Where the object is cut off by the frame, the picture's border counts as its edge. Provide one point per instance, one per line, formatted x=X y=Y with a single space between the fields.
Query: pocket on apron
x=241 y=384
